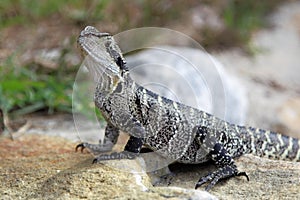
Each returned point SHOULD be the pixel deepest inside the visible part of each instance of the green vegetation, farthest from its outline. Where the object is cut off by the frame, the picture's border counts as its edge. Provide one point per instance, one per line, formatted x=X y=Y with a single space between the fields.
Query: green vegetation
x=244 y=16
x=27 y=11
x=25 y=90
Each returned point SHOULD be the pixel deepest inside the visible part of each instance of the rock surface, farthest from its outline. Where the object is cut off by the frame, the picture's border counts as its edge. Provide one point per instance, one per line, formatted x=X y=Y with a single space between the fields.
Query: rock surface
x=44 y=167
x=47 y=167
x=269 y=179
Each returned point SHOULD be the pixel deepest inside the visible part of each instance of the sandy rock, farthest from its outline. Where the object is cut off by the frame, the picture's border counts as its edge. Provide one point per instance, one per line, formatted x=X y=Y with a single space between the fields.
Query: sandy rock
x=269 y=179
x=45 y=167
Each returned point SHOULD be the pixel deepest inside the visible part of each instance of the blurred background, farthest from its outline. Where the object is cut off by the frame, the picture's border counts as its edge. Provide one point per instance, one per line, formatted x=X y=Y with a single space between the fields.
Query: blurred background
x=39 y=59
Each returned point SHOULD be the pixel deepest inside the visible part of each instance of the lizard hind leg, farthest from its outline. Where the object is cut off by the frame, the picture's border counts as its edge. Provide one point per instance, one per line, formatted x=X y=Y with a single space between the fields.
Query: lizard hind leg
x=226 y=168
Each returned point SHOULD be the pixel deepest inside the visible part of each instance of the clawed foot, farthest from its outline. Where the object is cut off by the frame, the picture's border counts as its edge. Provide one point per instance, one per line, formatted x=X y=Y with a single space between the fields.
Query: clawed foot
x=100 y=149
x=95 y=148
x=222 y=173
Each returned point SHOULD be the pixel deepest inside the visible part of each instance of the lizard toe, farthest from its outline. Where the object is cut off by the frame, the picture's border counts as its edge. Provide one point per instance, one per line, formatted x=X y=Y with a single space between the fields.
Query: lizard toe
x=204 y=180
x=115 y=156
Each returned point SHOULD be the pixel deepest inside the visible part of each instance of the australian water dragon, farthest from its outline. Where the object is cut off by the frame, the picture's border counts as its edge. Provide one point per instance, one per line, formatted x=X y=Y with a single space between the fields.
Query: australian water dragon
x=175 y=131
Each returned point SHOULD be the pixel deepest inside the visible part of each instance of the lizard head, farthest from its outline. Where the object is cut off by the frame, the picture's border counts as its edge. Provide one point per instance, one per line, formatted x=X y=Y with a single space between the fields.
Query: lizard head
x=104 y=56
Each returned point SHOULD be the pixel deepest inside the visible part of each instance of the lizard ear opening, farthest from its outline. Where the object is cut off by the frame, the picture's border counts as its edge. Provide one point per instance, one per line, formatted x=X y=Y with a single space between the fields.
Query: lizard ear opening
x=120 y=62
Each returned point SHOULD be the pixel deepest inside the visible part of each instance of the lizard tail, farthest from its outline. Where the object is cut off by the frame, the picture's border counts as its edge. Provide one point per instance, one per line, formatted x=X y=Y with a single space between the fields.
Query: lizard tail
x=274 y=145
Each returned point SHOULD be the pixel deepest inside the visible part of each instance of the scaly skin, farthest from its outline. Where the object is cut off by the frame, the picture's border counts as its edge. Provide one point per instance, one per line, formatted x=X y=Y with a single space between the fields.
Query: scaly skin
x=175 y=131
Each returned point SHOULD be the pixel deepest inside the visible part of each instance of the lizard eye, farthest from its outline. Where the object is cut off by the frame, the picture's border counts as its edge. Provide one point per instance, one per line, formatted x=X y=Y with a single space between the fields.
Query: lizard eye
x=120 y=62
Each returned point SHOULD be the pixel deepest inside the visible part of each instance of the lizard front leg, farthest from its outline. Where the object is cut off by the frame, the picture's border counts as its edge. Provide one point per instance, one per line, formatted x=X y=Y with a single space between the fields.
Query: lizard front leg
x=225 y=163
x=134 y=144
x=110 y=139
x=131 y=151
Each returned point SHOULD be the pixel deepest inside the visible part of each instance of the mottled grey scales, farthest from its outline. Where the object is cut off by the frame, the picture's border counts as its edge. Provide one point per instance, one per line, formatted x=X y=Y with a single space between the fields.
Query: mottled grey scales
x=172 y=129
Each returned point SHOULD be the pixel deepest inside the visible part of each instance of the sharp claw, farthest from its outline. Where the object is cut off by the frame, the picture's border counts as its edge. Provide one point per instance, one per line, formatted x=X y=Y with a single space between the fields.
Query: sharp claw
x=80 y=146
x=200 y=183
x=243 y=174
x=203 y=180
